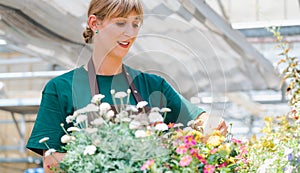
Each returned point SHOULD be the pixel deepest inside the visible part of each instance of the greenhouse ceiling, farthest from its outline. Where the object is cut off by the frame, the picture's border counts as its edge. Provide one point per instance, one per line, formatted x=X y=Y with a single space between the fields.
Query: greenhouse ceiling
x=184 y=41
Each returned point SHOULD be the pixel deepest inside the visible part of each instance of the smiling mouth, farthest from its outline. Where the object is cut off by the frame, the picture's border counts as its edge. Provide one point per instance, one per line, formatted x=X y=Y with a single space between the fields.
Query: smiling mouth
x=123 y=44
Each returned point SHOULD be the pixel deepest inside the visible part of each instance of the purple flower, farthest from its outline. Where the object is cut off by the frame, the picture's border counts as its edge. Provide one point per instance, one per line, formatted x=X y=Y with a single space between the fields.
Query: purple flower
x=290 y=157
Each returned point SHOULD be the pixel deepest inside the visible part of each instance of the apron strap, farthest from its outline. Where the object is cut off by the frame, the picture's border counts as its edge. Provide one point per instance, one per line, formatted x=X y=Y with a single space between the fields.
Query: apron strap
x=94 y=87
x=133 y=89
x=92 y=78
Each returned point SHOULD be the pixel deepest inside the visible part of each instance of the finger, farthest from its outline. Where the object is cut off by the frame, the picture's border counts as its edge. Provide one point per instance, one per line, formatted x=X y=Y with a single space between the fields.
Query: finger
x=223 y=131
x=221 y=125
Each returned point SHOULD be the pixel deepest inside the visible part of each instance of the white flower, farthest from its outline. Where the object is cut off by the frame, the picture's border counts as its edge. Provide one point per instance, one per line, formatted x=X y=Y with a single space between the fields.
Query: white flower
x=140 y=134
x=98 y=121
x=161 y=127
x=155 y=109
x=141 y=104
x=131 y=108
x=143 y=119
x=120 y=95
x=75 y=114
x=70 y=119
x=276 y=141
x=44 y=140
x=91 y=108
x=288 y=151
x=49 y=152
x=105 y=107
x=262 y=169
x=188 y=129
x=134 y=124
x=88 y=108
x=126 y=119
x=155 y=117
x=65 y=139
x=73 y=129
x=91 y=130
x=289 y=169
x=80 y=111
x=112 y=92
x=191 y=123
x=96 y=142
x=81 y=118
x=178 y=125
x=109 y=115
x=165 y=110
x=128 y=91
x=122 y=114
x=90 y=150
x=97 y=98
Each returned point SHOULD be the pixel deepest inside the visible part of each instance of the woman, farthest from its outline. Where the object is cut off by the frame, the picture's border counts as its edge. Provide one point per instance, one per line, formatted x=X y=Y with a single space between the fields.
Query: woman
x=112 y=27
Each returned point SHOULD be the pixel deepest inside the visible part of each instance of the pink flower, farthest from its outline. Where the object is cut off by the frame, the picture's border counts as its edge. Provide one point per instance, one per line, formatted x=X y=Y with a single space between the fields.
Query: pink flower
x=245 y=160
x=147 y=165
x=243 y=151
x=209 y=169
x=194 y=152
x=181 y=149
x=237 y=141
x=213 y=151
x=185 y=160
x=190 y=140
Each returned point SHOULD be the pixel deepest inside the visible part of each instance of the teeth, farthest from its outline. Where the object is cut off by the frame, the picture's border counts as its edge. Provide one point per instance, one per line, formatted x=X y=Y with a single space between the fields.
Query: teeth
x=124 y=43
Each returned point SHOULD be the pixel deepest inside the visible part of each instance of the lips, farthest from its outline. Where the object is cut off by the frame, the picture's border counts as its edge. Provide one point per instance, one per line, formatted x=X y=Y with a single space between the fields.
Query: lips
x=123 y=44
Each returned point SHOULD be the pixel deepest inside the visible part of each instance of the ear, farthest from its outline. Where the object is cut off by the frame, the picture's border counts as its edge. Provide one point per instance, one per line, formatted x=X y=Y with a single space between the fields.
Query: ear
x=92 y=22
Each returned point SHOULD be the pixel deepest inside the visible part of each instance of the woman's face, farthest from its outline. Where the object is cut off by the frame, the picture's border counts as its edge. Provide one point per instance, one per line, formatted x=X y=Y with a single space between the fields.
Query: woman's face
x=116 y=35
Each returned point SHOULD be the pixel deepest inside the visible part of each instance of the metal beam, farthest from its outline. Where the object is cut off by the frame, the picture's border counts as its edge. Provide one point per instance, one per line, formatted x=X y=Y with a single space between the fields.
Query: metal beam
x=30 y=75
x=234 y=38
x=262 y=32
x=19 y=61
x=21 y=160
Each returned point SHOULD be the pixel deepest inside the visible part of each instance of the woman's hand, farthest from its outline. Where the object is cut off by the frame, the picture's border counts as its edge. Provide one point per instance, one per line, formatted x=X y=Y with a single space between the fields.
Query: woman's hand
x=202 y=118
x=52 y=161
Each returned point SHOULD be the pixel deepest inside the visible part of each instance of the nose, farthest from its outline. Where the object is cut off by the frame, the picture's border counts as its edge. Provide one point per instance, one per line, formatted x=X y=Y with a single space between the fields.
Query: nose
x=130 y=31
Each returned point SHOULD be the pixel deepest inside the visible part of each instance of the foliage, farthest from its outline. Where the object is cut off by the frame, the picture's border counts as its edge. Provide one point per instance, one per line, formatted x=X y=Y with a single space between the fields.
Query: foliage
x=278 y=150
x=291 y=71
x=135 y=141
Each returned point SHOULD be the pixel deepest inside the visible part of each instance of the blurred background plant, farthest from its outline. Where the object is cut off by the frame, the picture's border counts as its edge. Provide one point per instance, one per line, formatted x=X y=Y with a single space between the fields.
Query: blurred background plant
x=278 y=149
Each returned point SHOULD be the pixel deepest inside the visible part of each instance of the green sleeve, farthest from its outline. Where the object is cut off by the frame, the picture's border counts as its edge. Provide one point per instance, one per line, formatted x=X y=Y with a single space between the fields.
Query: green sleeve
x=47 y=124
x=182 y=110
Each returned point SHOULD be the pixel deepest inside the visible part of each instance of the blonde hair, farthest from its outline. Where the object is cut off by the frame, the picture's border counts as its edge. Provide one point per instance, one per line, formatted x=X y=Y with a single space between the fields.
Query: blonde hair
x=106 y=9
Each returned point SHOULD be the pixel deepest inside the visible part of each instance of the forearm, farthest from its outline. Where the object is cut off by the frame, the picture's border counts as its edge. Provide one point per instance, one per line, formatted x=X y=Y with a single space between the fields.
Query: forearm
x=52 y=162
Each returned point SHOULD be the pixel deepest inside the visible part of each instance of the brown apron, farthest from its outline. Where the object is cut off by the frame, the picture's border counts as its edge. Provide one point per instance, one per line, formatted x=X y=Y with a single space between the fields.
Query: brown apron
x=94 y=87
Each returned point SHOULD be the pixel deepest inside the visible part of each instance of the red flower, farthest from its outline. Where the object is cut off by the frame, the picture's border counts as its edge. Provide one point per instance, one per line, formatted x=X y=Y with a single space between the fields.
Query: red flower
x=222 y=165
x=171 y=125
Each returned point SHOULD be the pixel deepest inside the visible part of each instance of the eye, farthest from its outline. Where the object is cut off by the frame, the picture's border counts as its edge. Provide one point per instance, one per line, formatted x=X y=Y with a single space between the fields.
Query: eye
x=136 y=25
x=121 y=23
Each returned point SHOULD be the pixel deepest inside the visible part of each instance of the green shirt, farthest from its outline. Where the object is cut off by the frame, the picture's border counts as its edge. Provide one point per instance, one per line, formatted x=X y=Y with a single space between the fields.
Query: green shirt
x=66 y=93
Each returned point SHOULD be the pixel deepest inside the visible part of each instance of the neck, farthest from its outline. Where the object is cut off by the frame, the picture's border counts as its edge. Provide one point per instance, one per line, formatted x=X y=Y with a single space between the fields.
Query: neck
x=107 y=65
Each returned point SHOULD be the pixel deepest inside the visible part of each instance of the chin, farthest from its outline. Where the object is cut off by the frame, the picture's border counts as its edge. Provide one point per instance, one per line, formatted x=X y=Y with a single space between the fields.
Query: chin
x=119 y=55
